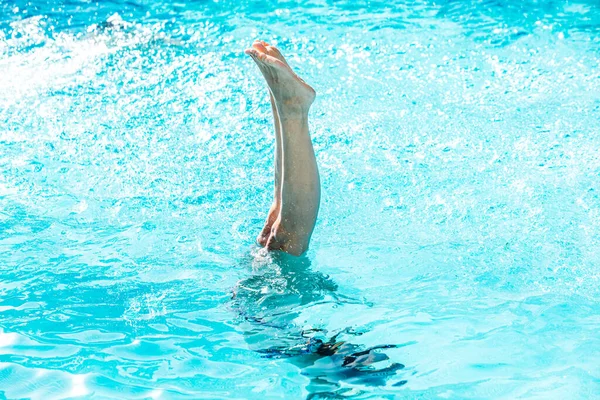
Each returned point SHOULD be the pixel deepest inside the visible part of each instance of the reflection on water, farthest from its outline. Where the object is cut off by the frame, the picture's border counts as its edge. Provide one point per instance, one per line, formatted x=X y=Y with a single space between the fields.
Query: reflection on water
x=271 y=303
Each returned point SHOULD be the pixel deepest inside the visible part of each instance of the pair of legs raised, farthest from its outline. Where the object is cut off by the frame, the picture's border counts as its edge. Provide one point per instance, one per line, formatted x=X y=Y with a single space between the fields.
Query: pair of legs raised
x=293 y=215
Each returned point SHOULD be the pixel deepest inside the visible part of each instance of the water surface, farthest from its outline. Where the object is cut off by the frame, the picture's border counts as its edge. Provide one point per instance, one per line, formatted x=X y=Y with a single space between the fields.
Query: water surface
x=458 y=148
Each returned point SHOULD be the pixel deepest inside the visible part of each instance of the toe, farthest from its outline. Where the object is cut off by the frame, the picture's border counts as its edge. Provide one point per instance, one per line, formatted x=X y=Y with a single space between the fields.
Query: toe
x=274 y=51
x=257 y=56
x=259 y=46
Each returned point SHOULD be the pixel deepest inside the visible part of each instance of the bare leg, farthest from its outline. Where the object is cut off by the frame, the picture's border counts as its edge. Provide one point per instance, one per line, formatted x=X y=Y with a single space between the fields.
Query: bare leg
x=265 y=234
x=300 y=184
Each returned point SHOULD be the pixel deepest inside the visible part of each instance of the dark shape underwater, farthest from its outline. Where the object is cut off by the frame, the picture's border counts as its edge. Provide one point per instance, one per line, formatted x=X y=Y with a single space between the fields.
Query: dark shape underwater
x=269 y=300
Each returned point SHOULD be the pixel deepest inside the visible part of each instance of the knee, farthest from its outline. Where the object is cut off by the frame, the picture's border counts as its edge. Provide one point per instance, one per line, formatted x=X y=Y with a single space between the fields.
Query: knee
x=262 y=239
x=276 y=238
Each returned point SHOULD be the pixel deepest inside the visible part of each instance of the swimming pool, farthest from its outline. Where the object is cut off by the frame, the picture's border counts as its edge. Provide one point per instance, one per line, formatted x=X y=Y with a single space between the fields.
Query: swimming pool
x=460 y=221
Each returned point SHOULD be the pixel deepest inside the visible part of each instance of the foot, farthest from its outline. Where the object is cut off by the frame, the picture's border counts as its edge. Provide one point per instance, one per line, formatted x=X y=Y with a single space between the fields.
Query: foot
x=291 y=93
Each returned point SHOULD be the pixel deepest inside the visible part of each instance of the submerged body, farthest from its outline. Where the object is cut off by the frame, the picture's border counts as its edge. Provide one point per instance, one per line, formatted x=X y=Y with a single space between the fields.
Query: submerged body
x=270 y=304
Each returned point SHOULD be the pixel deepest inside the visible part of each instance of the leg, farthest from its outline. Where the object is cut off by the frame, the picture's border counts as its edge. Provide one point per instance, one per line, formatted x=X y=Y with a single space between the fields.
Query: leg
x=265 y=234
x=300 y=184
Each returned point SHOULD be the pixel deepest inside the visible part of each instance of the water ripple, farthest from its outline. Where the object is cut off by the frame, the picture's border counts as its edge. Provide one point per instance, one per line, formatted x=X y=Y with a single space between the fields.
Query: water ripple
x=456 y=251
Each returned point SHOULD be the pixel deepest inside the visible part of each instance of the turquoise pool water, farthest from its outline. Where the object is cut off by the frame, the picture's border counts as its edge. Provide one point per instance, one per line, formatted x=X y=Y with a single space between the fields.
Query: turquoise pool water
x=460 y=223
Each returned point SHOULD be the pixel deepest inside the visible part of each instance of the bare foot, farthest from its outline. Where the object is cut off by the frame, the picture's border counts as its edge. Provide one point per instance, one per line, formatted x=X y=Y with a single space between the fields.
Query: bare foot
x=290 y=92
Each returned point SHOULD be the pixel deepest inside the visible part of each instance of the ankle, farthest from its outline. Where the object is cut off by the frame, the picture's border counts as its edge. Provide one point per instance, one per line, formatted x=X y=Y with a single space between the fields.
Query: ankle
x=293 y=110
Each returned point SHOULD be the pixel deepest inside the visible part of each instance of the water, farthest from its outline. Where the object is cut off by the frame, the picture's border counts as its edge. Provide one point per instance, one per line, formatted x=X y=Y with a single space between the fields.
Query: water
x=459 y=227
